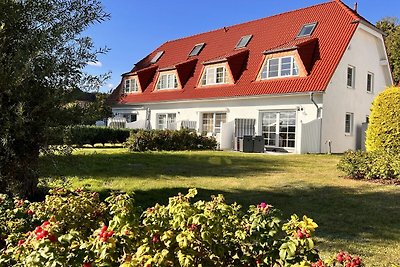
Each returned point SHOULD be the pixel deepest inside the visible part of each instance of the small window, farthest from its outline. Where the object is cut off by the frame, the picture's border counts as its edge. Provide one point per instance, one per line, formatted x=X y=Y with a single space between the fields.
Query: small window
x=307 y=29
x=279 y=67
x=131 y=86
x=130 y=117
x=197 y=49
x=351 y=73
x=370 y=82
x=166 y=121
x=348 y=124
x=214 y=75
x=167 y=81
x=157 y=57
x=244 y=41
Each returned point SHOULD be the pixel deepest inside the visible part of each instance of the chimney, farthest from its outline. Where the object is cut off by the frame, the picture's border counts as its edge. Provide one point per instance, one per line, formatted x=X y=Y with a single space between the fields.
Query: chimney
x=355 y=6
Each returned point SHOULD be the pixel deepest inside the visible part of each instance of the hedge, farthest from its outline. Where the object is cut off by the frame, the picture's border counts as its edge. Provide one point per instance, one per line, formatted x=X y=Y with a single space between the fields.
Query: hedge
x=86 y=135
x=378 y=164
x=168 y=140
x=77 y=228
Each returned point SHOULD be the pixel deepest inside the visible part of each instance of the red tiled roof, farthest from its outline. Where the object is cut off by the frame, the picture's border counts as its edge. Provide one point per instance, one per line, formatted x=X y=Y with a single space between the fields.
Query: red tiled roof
x=320 y=53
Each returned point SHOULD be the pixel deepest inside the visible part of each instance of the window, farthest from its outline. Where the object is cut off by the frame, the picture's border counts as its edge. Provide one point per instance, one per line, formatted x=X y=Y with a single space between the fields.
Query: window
x=130 y=117
x=280 y=67
x=370 y=82
x=348 y=124
x=351 y=73
x=166 y=121
x=157 y=57
x=279 y=128
x=197 y=49
x=244 y=41
x=212 y=122
x=214 y=75
x=131 y=86
x=167 y=81
x=307 y=29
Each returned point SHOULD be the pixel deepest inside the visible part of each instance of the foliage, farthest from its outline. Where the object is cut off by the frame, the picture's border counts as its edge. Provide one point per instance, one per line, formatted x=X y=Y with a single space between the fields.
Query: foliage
x=169 y=140
x=391 y=27
x=204 y=233
x=383 y=131
x=42 y=55
x=370 y=165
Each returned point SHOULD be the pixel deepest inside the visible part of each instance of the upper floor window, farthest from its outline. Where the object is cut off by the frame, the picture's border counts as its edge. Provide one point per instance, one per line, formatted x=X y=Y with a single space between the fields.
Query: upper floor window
x=244 y=41
x=351 y=75
x=131 y=86
x=167 y=81
x=280 y=67
x=197 y=49
x=214 y=75
x=370 y=82
x=307 y=29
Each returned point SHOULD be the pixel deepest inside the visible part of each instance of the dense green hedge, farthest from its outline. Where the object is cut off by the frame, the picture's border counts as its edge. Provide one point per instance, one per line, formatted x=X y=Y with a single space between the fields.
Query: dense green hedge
x=383 y=131
x=371 y=165
x=86 y=135
x=168 y=140
x=78 y=229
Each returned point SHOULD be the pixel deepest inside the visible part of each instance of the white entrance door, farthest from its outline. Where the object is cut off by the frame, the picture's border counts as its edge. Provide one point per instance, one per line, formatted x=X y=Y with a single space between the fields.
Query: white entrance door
x=279 y=129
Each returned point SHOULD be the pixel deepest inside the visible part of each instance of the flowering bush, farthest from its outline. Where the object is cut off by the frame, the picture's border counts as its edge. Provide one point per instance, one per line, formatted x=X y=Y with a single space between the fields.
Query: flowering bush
x=77 y=229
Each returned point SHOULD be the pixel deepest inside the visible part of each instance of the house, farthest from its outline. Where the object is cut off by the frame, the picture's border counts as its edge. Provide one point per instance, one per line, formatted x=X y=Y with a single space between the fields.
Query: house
x=304 y=80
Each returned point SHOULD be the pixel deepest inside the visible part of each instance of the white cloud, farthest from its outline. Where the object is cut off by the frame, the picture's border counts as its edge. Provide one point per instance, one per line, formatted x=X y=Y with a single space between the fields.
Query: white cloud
x=95 y=64
x=110 y=86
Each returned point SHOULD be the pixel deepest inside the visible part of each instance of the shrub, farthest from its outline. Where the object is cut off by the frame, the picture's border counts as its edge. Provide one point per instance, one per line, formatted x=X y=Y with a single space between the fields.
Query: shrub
x=169 y=141
x=182 y=233
x=383 y=131
x=370 y=165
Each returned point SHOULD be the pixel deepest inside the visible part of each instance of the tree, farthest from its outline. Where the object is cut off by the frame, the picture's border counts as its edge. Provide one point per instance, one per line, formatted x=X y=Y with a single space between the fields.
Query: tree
x=42 y=55
x=383 y=131
x=391 y=27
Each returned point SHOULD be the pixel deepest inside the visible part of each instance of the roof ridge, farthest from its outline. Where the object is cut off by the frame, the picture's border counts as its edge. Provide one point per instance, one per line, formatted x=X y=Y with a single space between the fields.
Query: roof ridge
x=349 y=10
x=251 y=21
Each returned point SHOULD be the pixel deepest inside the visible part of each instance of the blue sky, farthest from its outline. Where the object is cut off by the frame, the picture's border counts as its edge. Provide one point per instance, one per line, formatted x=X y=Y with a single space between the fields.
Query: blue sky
x=138 y=27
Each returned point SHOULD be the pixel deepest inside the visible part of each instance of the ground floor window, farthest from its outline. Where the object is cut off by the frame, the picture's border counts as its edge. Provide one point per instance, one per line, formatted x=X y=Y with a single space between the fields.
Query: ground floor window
x=166 y=121
x=212 y=122
x=348 y=123
x=279 y=128
x=130 y=117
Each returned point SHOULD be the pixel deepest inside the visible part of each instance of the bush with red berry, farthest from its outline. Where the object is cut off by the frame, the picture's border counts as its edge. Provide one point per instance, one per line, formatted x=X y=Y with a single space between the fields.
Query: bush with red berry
x=76 y=228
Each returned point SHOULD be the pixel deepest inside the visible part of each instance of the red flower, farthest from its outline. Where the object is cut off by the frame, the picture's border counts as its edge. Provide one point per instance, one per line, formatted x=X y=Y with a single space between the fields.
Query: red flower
x=21 y=242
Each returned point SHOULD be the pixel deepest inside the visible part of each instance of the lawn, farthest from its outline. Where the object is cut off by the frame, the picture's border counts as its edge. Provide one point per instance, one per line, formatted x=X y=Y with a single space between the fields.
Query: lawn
x=360 y=217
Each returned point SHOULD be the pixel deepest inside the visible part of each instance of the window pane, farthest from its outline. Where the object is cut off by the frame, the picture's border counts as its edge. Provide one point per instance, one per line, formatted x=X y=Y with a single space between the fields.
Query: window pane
x=350 y=76
x=162 y=121
x=211 y=76
x=220 y=75
x=208 y=123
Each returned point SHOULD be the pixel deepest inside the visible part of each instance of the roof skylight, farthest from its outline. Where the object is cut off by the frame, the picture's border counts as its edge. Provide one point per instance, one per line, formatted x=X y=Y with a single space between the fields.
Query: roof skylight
x=244 y=41
x=307 y=29
x=197 y=49
x=157 y=57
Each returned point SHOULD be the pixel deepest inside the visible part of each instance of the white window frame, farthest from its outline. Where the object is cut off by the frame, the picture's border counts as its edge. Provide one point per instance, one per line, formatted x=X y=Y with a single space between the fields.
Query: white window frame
x=371 y=89
x=168 y=81
x=293 y=66
x=169 y=119
x=353 y=77
x=215 y=129
x=351 y=123
x=131 y=85
x=205 y=78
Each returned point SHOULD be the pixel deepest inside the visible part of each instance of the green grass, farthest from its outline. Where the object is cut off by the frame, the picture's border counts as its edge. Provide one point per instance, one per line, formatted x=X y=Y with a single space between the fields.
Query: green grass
x=360 y=217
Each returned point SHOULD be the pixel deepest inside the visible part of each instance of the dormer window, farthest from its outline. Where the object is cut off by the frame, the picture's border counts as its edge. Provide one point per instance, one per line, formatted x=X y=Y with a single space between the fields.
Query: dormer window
x=167 y=81
x=307 y=29
x=214 y=75
x=196 y=49
x=131 y=85
x=157 y=57
x=243 y=41
x=280 y=67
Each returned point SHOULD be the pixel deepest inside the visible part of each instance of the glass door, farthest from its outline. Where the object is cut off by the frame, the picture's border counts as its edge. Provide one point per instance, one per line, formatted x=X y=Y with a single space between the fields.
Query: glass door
x=279 y=128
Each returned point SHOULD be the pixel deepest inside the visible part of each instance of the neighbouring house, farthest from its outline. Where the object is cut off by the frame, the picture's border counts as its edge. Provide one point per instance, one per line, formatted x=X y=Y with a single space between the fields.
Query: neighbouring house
x=304 y=80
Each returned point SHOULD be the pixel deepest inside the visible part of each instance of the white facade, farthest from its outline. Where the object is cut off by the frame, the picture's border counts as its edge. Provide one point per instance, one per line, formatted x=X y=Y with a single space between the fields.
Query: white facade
x=366 y=54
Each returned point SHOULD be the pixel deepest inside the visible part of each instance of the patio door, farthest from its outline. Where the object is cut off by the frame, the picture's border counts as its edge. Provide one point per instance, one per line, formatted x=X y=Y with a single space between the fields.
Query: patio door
x=279 y=129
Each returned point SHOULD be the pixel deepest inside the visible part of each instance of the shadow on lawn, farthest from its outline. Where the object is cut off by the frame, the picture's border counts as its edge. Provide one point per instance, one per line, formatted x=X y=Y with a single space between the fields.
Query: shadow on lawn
x=341 y=213
x=152 y=165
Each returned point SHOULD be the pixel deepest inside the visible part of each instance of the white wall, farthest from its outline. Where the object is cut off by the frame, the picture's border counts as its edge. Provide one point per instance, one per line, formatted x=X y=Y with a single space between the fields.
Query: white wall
x=248 y=108
x=365 y=52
